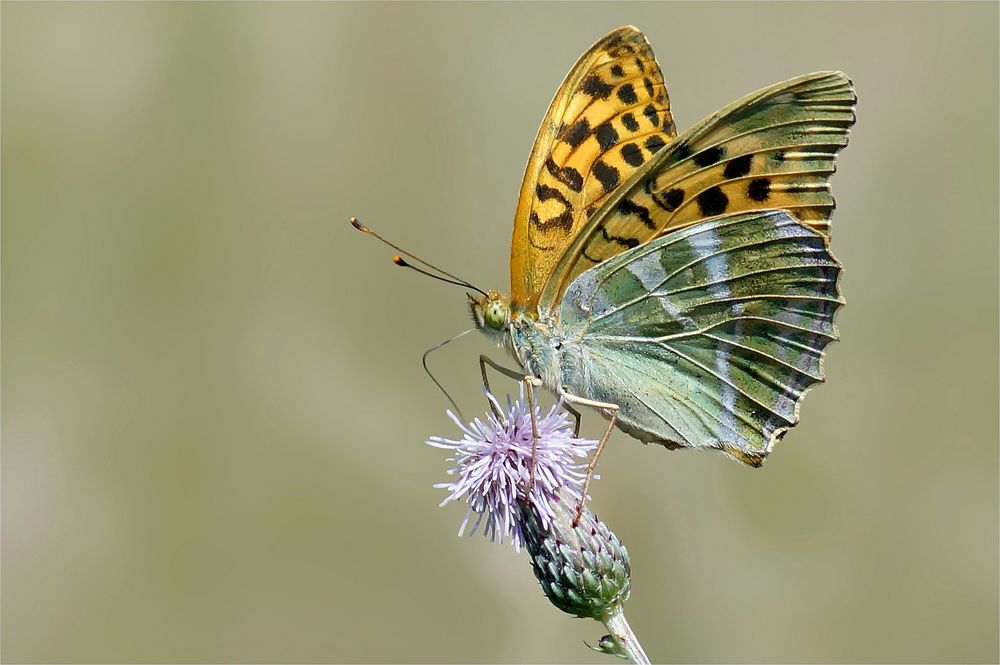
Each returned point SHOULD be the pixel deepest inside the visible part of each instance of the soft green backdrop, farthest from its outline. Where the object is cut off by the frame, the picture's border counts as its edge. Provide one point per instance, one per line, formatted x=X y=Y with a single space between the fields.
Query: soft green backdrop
x=213 y=407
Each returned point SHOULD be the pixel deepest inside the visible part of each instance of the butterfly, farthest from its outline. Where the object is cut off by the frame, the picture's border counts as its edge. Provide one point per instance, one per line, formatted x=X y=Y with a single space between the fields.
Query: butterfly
x=683 y=285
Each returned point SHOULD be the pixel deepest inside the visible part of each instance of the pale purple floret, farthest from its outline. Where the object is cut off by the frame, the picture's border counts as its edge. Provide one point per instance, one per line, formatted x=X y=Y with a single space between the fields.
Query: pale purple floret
x=493 y=461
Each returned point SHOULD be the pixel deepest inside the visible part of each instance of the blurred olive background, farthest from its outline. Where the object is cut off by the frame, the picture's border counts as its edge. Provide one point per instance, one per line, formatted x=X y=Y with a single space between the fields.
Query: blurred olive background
x=214 y=410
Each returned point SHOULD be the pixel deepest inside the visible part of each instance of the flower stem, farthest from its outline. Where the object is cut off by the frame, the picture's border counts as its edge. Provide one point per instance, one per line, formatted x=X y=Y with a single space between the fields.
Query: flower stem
x=616 y=623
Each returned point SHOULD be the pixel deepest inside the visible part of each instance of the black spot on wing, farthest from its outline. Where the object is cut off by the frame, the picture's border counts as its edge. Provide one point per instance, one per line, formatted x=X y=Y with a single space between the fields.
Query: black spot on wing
x=626 y=93
x=712 y=202
x=630 y=122
x=575 y=134
x=627 y=207
x=638 y=63
x=617 y=71
x=652 y=115
x=739 y=167
x=607 y=137
x=682 y=151
x=544 y=193
x=674 y=198
x=759 y=189
x=655 y=142
x=566 y=175
x=606 y=174
x=649 y=86
x=632 y=154
x=779 y=156
x=625 y=242
x=709 y=156
x=669 y=201
x=562 y=221
x=595 y=87
x=619 y=50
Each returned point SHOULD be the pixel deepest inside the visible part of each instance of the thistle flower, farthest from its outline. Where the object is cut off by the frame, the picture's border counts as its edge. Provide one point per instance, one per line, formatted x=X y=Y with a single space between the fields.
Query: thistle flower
x=583 y=569
x=493 y=465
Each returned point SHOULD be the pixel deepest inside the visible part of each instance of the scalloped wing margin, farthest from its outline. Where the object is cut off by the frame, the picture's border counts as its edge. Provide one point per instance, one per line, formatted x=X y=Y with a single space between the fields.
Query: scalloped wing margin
x=708 y=337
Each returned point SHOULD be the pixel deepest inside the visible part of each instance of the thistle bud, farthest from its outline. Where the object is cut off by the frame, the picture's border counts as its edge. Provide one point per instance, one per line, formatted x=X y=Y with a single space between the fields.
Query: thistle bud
x=611 y=646
x=584 y=570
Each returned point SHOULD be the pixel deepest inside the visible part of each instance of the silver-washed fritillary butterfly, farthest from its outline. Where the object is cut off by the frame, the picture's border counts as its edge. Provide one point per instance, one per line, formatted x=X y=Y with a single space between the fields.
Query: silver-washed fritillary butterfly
x=682 y=284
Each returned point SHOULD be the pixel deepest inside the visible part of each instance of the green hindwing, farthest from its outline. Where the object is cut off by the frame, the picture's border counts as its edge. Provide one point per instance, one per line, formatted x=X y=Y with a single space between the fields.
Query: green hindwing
x=707 y=337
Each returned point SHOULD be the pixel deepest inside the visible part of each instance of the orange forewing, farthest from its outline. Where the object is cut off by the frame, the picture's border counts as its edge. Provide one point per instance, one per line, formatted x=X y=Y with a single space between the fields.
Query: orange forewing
x=608 y=118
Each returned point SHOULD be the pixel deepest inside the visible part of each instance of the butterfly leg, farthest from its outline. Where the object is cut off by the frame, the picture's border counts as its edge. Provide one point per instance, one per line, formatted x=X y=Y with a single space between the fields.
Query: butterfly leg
x=529 y=390
x=613 y=410
x=518 y=376
x=530 y=383
x=577 y=418
x=483 y=362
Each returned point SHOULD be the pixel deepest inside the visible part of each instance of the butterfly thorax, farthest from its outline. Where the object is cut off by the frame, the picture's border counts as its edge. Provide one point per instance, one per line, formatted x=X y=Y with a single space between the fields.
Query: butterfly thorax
x=540 y=348
x=535 y=344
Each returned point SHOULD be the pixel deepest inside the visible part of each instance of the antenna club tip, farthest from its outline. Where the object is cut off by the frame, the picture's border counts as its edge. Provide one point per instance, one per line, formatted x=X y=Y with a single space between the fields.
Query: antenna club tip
x=398 y=260
x=358 y=225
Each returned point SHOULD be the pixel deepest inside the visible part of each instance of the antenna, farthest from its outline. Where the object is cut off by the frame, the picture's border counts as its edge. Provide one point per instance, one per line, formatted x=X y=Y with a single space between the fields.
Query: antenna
x=398 y=260
x=403 y=264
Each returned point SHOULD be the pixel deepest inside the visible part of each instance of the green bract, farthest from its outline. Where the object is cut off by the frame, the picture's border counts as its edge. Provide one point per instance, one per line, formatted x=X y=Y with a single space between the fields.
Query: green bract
x=583 y=570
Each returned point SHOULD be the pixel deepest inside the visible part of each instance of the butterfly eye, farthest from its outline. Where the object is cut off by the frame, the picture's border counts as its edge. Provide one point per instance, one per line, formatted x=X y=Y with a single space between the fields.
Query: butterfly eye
x=495 y=314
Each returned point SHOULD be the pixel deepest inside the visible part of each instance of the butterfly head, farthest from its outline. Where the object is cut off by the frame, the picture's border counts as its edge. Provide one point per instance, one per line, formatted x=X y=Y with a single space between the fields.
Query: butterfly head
x=490 y=313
